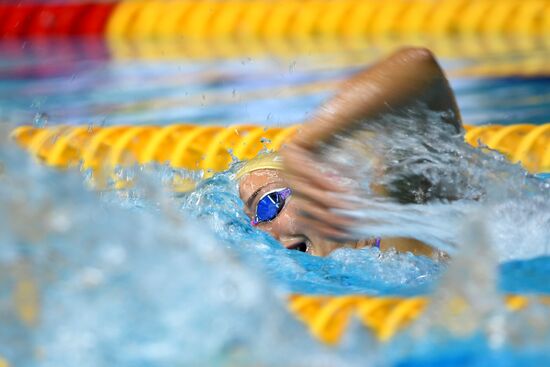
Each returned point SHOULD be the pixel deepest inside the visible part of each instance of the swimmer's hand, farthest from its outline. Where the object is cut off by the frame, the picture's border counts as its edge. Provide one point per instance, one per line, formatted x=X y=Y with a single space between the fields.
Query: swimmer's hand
x=407 y=79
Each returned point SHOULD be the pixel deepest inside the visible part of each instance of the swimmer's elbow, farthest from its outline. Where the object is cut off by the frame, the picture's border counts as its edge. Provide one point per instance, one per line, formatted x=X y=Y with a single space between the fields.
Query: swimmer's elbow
x=418 y=53
x=419 y=56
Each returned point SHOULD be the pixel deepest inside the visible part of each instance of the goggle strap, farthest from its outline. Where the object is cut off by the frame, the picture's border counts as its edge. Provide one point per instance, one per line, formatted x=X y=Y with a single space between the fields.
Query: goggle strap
x=285 y=193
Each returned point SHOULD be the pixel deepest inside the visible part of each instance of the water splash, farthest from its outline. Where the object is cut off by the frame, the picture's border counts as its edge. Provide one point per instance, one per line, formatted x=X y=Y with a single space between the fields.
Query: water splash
x=434 y=181
x=217 y=202
x=467 y=322
x=153 y=277
x=86 y=282
x=469 y=202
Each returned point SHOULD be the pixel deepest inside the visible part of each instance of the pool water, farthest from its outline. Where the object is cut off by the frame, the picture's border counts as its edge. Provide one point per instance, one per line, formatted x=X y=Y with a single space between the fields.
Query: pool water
x=149 y=277
x=91 y=81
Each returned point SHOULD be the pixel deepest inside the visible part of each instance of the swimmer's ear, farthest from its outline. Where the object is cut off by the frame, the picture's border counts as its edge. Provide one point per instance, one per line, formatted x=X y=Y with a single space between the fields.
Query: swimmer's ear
x=410 y=77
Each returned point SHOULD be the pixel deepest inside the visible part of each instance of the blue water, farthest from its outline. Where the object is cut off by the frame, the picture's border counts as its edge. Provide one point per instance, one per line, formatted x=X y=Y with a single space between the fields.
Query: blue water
x=81 y=82
x=148 y=277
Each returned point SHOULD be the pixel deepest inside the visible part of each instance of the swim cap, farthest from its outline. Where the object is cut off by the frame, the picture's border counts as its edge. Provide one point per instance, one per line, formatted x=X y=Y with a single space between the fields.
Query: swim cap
x=263 y=161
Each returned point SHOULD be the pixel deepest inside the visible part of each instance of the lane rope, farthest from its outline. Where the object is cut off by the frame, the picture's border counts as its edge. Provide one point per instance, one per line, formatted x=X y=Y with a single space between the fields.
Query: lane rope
x=266 y=18
x=208 y=148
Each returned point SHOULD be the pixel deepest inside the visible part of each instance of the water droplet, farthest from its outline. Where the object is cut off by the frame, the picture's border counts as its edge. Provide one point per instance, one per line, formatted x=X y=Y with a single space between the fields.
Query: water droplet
x=36 y=103
x=41 y=119
x=114 y=255
x=59 y=221
x=292 y=67
x=91 y=277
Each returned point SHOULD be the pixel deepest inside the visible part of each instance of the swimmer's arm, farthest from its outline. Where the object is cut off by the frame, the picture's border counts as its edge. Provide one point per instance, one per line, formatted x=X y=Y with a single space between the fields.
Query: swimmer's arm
x=406 y=78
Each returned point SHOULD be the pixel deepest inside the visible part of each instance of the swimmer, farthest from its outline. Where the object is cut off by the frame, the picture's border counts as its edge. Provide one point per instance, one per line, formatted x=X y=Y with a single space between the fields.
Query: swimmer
x=287 y=196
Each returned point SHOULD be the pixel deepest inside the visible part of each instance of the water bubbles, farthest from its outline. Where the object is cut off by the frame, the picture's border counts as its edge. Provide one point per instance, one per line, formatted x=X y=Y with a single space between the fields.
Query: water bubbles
x=229 y=292
x=114 y=255
x=91 y=277
x=292 y=67
x=36 y=102
x=59 y=221
x=234 y=158
x=41 y=119
x=246 y=60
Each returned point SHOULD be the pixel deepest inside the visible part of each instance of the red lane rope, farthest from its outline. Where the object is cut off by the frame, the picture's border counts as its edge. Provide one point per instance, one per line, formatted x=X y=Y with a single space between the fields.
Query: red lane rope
x=56 y=20
x=16 y=19
x=35 y=20
x=95 y=19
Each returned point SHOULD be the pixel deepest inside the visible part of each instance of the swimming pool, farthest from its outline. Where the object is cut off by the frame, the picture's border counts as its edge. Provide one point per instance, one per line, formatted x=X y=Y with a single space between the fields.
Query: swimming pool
x=144 y=275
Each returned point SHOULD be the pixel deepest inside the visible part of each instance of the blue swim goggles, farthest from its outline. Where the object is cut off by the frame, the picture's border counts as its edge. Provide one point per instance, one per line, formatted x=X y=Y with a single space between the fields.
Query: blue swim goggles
x=270 y=205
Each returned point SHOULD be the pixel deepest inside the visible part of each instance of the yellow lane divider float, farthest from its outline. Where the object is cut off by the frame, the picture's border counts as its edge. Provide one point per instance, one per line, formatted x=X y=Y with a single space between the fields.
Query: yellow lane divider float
x=154 y=29
x=301 y=18
x=210 y=148
x=328 y=317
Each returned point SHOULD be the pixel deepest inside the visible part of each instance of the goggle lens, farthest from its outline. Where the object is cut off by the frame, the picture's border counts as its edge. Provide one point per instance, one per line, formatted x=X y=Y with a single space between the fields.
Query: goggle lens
x=270 y=205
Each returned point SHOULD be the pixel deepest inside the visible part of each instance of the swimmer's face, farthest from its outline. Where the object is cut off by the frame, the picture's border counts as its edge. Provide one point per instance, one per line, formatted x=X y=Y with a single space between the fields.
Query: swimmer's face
x=284 y=226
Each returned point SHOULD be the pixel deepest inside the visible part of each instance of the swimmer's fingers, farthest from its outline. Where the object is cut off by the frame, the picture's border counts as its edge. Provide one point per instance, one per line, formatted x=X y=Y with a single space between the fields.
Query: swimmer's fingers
x=324 y=221
x=306 y=191
x=325 y=215
x=329 y=232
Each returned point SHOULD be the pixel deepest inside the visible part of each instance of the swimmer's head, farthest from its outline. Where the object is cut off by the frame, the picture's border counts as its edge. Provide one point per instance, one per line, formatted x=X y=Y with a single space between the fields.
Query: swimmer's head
x=266 y=161
x=261 y=180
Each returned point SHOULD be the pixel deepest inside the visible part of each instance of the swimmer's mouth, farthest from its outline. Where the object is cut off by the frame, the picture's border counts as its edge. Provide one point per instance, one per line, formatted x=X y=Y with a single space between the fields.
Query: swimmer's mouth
x=302 y=246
